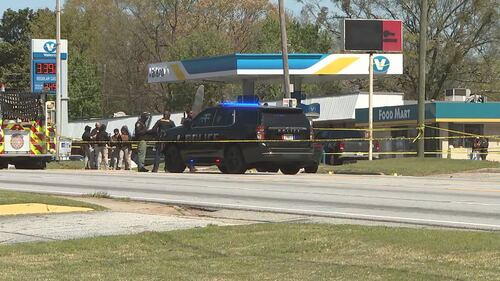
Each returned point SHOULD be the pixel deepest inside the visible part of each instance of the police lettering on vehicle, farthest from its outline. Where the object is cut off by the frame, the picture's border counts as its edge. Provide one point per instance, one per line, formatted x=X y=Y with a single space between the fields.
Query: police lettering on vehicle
x=199 y=137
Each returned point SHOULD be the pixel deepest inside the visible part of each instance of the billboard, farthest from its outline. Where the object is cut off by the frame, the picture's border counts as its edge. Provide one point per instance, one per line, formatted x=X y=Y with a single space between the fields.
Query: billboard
x=372 y=35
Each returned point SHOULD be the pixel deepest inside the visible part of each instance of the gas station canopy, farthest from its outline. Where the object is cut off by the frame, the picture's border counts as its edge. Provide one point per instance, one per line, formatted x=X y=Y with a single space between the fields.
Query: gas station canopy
x=252 y=67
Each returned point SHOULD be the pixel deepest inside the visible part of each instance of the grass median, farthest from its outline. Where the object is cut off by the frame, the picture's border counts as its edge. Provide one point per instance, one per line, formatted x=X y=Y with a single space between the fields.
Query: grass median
x=263 y=252
x=412 y=166
x=14 y=197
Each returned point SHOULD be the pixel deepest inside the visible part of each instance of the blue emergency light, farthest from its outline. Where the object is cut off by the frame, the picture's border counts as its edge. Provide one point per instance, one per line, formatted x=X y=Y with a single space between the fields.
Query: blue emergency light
x=239 y=104
x=244 y=101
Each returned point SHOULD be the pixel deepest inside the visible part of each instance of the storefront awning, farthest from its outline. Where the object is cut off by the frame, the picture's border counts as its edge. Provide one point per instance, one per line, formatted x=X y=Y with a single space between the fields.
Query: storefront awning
x=436 y=112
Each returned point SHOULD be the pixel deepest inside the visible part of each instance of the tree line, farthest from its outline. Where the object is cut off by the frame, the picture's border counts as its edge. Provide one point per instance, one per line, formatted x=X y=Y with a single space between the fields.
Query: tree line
x=111 y=43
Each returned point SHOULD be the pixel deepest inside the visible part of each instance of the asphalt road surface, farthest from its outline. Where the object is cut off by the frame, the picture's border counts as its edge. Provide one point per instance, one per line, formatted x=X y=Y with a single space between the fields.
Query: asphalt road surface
x=462 y=201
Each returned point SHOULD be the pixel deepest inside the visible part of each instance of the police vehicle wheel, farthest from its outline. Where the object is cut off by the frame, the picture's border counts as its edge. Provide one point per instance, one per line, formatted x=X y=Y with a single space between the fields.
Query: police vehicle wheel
x=174 y=162
x=313 y=169
x=222 y=169
x=3 y=165
x=290 y=170
x=233 y=161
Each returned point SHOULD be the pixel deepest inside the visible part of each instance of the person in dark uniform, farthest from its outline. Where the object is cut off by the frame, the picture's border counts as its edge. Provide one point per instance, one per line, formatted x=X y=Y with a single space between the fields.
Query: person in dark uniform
x=188 y=118
x=125 y=148
x=102 y=139
x=188 y=115
x=140 y=134
x=159 y=130
x=87 y=148
x=483 y=151
x=94 y=146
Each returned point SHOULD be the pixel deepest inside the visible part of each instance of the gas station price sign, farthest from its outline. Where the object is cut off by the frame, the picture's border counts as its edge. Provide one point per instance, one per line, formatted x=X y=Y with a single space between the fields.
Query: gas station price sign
x=372 y=35
x=45 y=68
x=43 y=65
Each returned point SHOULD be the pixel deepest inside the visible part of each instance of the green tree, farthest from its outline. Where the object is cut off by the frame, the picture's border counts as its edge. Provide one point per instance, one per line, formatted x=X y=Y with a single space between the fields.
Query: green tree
x=14 y=26
x=84 y=88
x=460 y=33
x=14 y=48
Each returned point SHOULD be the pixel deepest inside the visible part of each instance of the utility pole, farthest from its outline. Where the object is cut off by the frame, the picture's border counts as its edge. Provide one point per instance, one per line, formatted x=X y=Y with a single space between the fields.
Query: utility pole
x=58 y=80
x=421 y=76
x=284 y=47
x=370 y=108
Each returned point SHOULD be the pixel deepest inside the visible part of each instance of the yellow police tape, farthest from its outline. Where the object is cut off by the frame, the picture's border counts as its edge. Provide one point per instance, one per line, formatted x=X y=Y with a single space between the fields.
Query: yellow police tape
x=364 y=129
x=361 y=153
x=78 y=143
x=452 y=131
x=420 y=130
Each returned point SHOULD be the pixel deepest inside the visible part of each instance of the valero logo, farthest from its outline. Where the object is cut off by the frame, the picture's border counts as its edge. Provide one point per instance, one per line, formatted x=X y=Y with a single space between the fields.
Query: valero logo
x=381 y=64
x=50 y=47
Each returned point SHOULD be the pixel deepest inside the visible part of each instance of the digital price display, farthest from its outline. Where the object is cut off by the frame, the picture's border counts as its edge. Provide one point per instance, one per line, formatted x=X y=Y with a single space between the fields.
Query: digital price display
x=50 y=87
x=45 y=68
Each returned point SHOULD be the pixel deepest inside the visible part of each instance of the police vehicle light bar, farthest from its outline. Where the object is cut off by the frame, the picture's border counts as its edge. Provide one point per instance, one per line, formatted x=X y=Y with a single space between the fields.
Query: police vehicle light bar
x=239 y=104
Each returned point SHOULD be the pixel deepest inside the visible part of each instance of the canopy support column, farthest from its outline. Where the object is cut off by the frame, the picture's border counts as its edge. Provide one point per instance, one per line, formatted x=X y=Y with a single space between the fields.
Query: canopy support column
x=248 y=86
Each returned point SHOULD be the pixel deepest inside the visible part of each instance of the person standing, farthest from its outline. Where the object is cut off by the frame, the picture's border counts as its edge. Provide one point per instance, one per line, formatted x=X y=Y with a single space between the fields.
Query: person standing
x=114 y=150
x=93 y=136
x=102 y=140
x=159 y=130
x=87 y=148
x=140 y=135
x=125 y=148
x=188 y=117
x=476 y=147
x=484 y=148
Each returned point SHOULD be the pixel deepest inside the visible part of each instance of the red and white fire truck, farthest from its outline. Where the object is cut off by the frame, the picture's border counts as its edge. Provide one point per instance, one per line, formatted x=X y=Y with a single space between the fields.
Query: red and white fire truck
x=27 y=137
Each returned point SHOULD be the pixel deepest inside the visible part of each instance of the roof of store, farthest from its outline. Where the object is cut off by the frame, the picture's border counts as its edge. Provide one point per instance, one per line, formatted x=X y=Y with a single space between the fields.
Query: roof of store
x=435 y=112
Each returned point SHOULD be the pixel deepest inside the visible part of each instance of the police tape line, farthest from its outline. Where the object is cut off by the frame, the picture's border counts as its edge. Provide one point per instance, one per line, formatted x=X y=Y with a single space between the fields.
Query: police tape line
x=452 y=131
x=364 y=153
x=365 y=129
x=277 y=141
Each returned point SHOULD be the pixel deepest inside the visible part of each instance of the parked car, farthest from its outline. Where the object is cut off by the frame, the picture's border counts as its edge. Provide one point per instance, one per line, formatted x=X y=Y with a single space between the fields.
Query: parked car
x=345 y=145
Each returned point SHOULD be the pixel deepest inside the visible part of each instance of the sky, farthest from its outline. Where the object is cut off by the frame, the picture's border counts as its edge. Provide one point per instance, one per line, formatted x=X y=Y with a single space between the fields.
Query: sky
x=21 y=4
x=36 y=4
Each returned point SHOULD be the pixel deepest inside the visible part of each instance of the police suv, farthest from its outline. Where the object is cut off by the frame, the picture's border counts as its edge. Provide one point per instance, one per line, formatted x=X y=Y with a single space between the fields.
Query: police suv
x=236 y=137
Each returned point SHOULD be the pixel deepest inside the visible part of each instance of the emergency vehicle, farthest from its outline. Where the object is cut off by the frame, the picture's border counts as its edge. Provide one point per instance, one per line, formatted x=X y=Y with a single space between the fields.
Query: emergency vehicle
x=233 y=137
x=27 y=138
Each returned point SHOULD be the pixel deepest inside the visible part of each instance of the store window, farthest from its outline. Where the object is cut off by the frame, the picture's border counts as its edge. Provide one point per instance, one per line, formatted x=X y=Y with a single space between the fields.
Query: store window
x=456 y=138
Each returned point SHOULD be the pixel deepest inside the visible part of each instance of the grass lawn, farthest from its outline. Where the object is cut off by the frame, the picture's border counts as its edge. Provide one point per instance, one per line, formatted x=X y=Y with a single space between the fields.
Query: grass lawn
x=72 y=165
x=13 y=197
x=262 y=252
x=412 y=166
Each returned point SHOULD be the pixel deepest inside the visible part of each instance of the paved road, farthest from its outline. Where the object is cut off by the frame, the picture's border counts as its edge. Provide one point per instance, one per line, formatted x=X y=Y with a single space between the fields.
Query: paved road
x=464 y=201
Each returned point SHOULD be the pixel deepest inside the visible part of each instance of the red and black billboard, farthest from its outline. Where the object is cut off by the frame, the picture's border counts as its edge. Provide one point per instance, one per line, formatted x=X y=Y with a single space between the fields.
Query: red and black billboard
x=373 y=35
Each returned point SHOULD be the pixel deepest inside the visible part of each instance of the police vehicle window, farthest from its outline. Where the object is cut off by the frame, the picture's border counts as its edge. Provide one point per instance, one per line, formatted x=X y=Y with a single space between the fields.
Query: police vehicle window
x=224 y=117
x=280 y=119
x=204 y=119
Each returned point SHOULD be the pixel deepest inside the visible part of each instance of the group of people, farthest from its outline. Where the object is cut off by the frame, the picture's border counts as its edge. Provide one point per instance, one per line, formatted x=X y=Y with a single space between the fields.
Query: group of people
x=479 y=148
x=99 y=145
x=103 y=151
